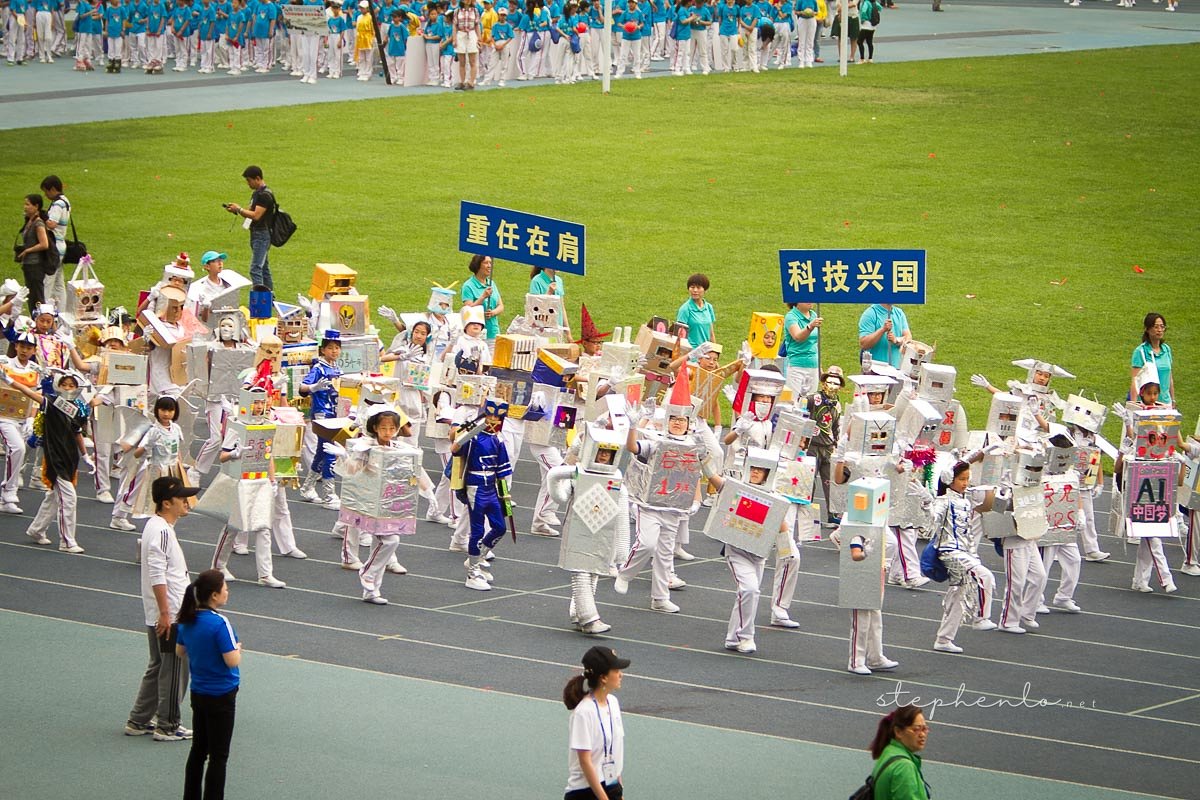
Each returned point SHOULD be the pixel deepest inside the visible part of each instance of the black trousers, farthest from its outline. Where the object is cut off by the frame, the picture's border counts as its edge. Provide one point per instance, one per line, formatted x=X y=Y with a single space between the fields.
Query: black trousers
x=613 y=790
x=35 y=278
x=212 y=731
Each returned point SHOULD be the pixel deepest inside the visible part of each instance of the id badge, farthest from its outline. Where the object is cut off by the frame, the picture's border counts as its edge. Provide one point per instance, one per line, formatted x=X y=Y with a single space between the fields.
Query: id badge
x=246 y=223
x=609 y=770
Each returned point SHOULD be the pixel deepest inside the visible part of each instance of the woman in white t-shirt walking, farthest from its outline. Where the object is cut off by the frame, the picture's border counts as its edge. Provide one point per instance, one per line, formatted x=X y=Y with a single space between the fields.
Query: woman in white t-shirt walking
x=596 y=734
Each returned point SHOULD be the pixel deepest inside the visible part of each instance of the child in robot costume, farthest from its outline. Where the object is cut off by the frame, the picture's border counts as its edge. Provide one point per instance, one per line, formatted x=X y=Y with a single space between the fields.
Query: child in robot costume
x=384 y=428
x=112 y=339
x=160 y=452
x=24 y=370
x=228 y=334
x=1191 y=542
x=1150 y=555
x=866 y=624
x=485 y=471
x=243 y=458
x=972 y=585
x=596 y=531
x=1061 y=465
x=319 y=384
x=60 y=423
x=663 y=479
x=754 y=429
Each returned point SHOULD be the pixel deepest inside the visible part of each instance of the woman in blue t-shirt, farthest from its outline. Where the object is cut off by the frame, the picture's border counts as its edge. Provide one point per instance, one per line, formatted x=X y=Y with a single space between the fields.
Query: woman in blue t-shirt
x=1155 y=350
x=213 y=651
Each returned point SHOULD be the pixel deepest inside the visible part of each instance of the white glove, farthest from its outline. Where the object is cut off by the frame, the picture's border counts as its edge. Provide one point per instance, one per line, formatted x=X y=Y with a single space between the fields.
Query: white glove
x=836 y=537
x=4 y=376
x=743 y=424
x=89 y=463
x=703 y=349
x=323 y=385
x=235 y=454
x=304 y=302
x=388 y=314
x=334 y=449
x=643 y=361
x=981 y=382
x=695 y=507
x=744 y=355
x=21 y=296
x=279 y=382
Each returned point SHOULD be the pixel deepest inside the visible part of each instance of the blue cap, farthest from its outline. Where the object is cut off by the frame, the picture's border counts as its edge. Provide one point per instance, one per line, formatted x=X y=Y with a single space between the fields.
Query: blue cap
x=212 y=255
x=331 y=336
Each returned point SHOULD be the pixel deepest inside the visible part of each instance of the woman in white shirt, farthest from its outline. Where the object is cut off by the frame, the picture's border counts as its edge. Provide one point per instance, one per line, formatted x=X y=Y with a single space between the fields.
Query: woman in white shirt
x=596 y=734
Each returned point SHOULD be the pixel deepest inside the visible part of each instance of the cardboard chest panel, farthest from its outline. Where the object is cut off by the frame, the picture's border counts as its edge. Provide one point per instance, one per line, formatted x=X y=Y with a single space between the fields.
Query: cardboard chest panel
x=14 y=405
x=747 y=517
x=385 y=487
x=860 y=583
x=122 y=369
x=589 y=540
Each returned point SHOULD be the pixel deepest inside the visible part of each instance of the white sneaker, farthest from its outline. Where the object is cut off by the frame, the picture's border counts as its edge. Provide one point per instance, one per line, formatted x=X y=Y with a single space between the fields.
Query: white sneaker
x=271 y=582
x=1096 y=555
x=917 y=582
x=542 y=530
x=295 y=73
x=1011 y=629
x=478 y=584
x=228 y=575
x=38 y=538
x=105 y=497
x=884 y=665
x=354 y=565
x=665 y=606
x=683 y=555
x=1170 y=588
x=455 y=547
x=1031 y=624
x=1141 y=587
x=1190 y=569
x=1069 y=606
x=859 y=670
x=310 y=495
x=1043 y=609
x=13 y=508
x=396 y=568
x=947 y=647
x=334 y=503
x=620 y=585
x=121 y=524
x=193 y=476
x=984 y=625
x=479 y=571
x=894 y=581
x=744 y=645
x=66 y=548
x=241 y=550
x=374 y=599
x=784 y=622
x=297 y=553
x=596 y=626
x=676 y=582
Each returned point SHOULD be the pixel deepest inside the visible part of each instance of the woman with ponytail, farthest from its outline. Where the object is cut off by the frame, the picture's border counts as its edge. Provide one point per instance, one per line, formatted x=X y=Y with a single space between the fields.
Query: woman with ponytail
x=596 y=737
x=901 y=735
x=207 y=638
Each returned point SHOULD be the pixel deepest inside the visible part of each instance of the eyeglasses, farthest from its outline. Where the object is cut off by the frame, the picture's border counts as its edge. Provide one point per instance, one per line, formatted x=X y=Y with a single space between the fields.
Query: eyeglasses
x=919 y=728
x=1159 y=326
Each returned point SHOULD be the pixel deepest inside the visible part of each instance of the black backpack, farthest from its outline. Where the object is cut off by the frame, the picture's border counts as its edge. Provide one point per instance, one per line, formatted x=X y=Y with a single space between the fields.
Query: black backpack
x=867 y=790
x=281 y=226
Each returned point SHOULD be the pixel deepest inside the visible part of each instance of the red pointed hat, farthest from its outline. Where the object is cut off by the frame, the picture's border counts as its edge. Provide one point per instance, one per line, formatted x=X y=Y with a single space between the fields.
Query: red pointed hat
x=587 y=329
x=679 y=399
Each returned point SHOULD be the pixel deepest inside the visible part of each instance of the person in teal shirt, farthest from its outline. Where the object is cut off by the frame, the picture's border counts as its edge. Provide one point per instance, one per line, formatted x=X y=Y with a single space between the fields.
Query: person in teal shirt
x=684 y=16
x=801 y=331
x=114 y=29
x=882 y=332
x=697 y=313
x=480 y=290
x=1154 y=349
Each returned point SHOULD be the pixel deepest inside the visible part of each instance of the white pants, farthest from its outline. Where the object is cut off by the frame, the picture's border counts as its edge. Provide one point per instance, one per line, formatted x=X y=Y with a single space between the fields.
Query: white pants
x=14 y=39
x=866 y=638
x=747 y=571
x=1150 y=555
x=208 y=51
x=631 y=53
x=1089 y=538
x=700 y=47
x=58 y=505
x=502 y=64
x=656 y=531
x=583 y=598
x=215 y=414
x=262 y=550
x=45 y=36
x=748 y=56
x=787 y=568
x=263 y=50
x=806 y=31
x=1024 y=574
x=283 y=533
x=1068 y=558
x=433 y=64
x=333 y=57
x=727 y=48
x=395 y=65
x=156 y=50
x=12 y=436
x=366 y=63
x=352 y=539
x=135 y=48
x=237 y=59
x=370 y=577
x=547 y=459
x=658 y=40
x=183 y=52
x=133 y=473
x=1191 y=542
x=307 y=46
x=903 y=563
x=682 y=61
x=967 y=574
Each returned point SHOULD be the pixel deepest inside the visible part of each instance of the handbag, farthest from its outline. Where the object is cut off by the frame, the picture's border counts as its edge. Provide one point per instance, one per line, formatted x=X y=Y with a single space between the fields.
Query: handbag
x=76 y=249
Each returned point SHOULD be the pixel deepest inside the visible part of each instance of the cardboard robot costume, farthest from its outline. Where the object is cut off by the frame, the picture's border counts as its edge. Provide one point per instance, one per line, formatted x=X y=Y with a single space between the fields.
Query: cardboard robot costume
x=596 y=529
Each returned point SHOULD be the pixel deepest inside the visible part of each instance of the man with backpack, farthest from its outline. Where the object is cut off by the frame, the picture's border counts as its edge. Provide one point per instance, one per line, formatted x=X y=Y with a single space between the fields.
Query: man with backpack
x=259 y=218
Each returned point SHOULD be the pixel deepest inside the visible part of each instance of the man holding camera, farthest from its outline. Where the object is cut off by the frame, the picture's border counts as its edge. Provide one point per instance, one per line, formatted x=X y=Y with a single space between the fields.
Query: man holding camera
x=258 y=218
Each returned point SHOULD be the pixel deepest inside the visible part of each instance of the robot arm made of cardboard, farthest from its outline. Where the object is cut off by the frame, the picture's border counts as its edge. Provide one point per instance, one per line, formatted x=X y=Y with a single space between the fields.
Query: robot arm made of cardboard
x=560 y=483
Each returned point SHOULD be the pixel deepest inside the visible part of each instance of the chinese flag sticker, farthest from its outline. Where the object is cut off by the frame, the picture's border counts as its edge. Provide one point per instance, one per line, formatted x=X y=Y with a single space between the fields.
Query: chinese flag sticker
x=753 y=510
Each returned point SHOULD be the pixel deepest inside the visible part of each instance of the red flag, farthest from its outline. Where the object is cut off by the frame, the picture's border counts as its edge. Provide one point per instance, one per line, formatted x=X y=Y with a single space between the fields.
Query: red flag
x=751 y=509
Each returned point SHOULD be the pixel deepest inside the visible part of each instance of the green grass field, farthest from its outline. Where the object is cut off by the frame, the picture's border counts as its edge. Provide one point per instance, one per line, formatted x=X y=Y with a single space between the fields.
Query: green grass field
x=1036 y=183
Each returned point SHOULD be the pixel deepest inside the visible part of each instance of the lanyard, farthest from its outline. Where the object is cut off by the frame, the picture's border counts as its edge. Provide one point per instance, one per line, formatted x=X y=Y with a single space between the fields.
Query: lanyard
x=608 y=746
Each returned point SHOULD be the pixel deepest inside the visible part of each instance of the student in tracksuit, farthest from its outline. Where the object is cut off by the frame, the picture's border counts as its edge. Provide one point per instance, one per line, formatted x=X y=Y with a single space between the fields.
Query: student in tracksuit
x=953 y=513
x=13 y=434
x=727 y=33
x=333 y=42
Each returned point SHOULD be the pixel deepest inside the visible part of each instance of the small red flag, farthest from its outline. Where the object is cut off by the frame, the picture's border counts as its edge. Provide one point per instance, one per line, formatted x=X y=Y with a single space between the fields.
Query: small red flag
x=753 y=510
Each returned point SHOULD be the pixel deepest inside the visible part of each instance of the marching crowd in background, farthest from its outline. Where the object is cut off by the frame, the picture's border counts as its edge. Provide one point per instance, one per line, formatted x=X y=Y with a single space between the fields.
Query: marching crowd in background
x=421 y=41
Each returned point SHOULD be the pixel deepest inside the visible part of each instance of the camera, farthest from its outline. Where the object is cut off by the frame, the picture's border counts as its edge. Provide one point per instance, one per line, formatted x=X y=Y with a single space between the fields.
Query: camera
x=226 y=206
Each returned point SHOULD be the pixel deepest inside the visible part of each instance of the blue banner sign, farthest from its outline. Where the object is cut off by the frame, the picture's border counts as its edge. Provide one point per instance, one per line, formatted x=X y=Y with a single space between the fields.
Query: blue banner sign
x=853 y=276
x=525 y=238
